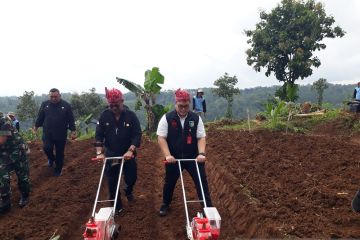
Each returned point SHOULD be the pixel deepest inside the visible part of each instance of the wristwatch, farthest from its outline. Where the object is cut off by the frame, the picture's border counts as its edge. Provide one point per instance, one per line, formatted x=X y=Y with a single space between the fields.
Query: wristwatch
x=131 y=149
x=203 y=154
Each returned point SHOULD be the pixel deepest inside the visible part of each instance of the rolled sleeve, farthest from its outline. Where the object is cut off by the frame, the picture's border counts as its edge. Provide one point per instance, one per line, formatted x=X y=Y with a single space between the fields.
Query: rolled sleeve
x=162 y=129
x=200 y=132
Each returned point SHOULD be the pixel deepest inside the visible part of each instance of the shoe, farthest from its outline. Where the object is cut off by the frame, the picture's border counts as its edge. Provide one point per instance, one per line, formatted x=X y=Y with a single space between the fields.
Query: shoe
x=118 y=211
x=164 y=209
x=24 y=200
x=119 y=206
x=50 y=163
x=130 y=198
x=57 y=173
x=355 y=203
x=5 y=204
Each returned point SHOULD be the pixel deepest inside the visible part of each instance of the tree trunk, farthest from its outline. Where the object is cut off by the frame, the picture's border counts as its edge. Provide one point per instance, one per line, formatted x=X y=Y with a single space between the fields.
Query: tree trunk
x=150 y=119
x=229 y=110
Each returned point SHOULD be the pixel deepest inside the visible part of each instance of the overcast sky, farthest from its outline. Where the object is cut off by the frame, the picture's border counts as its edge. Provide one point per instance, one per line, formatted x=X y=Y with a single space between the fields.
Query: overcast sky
x=75 y=45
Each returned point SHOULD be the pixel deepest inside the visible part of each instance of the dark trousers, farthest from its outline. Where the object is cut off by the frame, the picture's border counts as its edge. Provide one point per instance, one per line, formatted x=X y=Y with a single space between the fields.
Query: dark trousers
x=20 y=165
x=172 y=174
x=58 y=158
x=130 y=176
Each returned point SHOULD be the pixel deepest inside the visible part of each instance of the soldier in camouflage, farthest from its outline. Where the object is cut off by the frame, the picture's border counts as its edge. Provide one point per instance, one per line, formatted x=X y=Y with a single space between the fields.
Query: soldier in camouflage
x=13 y=157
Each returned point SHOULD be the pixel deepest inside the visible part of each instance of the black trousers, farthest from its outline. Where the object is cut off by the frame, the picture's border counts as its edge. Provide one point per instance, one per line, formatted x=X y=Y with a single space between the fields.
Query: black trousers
x=58 y=158
x=130 y=177
x=172 y=174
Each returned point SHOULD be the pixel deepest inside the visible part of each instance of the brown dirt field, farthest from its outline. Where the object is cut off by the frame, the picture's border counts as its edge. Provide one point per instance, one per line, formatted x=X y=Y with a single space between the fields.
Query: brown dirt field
x=265 y=185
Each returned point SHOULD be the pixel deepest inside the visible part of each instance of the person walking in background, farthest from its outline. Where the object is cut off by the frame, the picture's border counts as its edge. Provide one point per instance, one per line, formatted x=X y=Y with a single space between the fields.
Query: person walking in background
x=118 y=133
x=13 y=157
x=199 y=104
x=356 y=94
x=181 y=135
x=55 y=117
x=15 y=122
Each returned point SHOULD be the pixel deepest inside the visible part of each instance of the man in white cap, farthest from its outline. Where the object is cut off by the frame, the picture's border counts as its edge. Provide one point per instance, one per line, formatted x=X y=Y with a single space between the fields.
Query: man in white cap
x=199 y=104
x=14 y=121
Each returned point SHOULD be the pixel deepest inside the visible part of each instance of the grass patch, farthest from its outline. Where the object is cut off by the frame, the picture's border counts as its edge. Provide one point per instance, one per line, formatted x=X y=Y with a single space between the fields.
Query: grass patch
x=243 y=125
x=90 y=134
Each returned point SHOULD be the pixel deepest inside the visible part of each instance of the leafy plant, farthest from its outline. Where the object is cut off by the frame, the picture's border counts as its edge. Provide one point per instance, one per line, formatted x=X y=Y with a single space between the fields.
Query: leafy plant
x=284 y=40
x=30 y=135
x=159 y=110
x=226 y=89
x=274 y=110
x=83 y=125
x=85 y=104
x=146 y=94
x=319 y=86
x=27 y=107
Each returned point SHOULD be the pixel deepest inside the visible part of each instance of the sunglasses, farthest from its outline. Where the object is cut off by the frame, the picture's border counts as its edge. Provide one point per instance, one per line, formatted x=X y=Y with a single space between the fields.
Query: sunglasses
x=183 y=106
x=114 y=105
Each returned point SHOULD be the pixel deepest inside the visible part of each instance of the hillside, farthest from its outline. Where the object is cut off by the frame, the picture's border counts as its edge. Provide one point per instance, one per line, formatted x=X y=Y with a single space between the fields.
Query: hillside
x=264 y=184
x=253 y=99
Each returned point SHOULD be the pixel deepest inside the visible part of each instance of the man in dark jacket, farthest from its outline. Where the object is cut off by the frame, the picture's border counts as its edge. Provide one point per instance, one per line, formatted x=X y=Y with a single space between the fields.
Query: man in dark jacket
x=56 y=117
x=181 y=135
x=118 y=133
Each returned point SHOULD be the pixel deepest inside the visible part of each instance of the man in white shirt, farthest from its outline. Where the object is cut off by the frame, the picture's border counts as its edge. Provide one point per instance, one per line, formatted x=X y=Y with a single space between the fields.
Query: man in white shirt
x=181 y=135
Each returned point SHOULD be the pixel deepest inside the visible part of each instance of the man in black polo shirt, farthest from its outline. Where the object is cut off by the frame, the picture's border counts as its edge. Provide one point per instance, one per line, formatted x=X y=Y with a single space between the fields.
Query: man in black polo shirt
x=181 y=135
x=56 y=117
x=118 y=133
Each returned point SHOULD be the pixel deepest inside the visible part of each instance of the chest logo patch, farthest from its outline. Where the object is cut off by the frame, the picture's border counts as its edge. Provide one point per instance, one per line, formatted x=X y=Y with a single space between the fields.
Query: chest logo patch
x=173 y=124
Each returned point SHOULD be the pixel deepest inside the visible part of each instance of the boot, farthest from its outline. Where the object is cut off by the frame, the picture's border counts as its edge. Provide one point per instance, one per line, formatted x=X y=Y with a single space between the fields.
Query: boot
x=5 y=204
x=355 y=203
x=24 y=200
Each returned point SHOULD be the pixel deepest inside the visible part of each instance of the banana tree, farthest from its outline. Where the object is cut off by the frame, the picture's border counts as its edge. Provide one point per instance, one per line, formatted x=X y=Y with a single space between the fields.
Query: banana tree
x=146 y=94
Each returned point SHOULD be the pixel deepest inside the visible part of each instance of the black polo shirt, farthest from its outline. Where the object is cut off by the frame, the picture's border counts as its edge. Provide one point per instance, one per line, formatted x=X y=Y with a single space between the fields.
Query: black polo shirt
x=56 y=119
x=118 y=135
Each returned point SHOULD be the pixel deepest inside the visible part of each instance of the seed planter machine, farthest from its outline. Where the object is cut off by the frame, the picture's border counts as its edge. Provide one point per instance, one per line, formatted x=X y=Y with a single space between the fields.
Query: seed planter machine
x=101 y=225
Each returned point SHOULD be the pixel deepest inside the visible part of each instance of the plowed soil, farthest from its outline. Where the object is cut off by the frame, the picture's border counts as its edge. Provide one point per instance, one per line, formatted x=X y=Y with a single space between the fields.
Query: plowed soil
x=264 y=184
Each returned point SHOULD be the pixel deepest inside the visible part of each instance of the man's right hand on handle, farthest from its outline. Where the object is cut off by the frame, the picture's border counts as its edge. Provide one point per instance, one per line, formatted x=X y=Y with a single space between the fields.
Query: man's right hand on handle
x=100 y=157
x=170 y=159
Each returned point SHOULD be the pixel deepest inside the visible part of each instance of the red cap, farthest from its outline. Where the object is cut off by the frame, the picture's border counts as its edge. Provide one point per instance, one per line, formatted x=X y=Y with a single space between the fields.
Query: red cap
x=113 y=95
x=182 y=95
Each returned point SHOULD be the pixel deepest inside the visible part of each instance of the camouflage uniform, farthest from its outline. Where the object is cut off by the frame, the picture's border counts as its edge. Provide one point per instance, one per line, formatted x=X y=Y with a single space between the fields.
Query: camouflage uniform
x=13 y=157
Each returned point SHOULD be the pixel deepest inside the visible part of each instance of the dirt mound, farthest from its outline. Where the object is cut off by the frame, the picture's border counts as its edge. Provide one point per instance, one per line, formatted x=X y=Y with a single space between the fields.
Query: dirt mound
x=272 y=185
x=265 y=185
x=341 y=126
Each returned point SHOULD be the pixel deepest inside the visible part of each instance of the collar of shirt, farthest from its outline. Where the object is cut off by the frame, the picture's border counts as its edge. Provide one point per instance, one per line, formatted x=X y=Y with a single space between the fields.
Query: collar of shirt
x=182 y=120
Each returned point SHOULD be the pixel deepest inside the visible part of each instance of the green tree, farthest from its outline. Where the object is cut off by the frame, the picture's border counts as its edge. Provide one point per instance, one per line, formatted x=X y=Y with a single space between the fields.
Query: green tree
x=86 y=103
x=226 y=89
x=146 y=94
x=27 y=107
x=319 y=86
x=284 y=40
x=288 y=92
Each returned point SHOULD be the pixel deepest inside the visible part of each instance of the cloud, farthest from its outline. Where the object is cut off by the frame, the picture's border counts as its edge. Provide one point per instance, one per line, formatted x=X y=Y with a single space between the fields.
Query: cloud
x=77 y=45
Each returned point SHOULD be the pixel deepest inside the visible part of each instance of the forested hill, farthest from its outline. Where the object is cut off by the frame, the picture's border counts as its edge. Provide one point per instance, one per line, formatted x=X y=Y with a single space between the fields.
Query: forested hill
x=253 y=99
